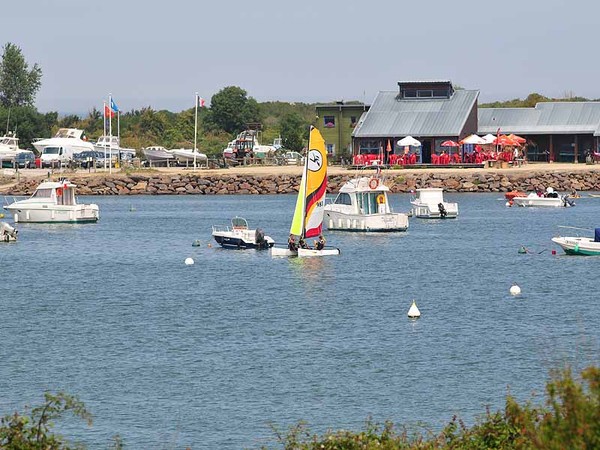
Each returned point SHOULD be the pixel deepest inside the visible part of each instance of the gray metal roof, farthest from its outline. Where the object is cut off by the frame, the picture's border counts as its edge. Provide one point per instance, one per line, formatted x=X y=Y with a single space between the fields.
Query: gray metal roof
x=436 y=117
x=544 y=118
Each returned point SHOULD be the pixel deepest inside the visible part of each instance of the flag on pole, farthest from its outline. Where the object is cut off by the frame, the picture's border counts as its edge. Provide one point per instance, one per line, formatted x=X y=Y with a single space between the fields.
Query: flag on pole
x=201 y=102
x=108 y=112
x=113 y=106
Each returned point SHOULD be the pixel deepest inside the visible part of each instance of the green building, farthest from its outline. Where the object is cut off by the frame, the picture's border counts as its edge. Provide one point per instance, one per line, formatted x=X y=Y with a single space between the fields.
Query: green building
x=336 y=122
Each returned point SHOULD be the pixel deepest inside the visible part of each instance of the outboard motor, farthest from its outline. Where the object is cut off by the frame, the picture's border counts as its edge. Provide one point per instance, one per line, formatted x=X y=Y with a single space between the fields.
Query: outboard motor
x=442 y=210
x=567 y=201
x=7 y=232
x=259 y=238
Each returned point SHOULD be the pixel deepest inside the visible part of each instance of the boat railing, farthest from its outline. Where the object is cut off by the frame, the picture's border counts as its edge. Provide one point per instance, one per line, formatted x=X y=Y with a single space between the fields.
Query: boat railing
x=10 y=199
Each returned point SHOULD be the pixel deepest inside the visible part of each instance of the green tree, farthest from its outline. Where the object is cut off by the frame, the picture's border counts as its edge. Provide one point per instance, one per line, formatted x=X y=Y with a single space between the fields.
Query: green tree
x=293 y=129
x=18 y=84
x=231 y=109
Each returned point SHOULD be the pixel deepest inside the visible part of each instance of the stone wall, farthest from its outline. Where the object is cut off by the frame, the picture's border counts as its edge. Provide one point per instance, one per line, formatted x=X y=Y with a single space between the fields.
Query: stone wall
x=285 y=184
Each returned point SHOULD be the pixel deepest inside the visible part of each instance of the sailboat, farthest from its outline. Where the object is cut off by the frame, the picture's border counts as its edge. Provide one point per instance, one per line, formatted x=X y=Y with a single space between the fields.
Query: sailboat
x=308 y=216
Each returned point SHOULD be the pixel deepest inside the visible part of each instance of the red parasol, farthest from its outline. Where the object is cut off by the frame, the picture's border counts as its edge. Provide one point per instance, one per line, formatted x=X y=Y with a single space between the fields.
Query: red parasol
x=450 y=144
x=504 y=140
x=517 y=139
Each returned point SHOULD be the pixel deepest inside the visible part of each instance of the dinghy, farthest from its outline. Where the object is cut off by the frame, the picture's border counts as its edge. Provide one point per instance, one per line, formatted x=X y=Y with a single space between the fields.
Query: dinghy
x=307 y=222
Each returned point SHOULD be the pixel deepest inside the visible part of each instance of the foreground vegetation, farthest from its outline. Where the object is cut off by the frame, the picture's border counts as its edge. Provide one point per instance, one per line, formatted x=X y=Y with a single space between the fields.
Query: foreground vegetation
x=569 y=419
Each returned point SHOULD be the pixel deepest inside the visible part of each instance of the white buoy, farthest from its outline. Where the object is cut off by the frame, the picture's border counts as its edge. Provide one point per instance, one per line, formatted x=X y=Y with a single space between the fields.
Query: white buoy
x=413 y=311
x=189 y=261
x=515 y=289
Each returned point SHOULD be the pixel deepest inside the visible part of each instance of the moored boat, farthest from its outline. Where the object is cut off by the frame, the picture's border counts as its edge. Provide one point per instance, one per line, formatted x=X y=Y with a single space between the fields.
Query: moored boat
x=53 y=202
x=549 y=199
x=239 y=236
x=363 y=205
x=575 y=245
x=429 y=204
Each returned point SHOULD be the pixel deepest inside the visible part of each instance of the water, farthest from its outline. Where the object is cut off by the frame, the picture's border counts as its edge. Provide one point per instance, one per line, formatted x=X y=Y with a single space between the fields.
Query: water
x=169 y=355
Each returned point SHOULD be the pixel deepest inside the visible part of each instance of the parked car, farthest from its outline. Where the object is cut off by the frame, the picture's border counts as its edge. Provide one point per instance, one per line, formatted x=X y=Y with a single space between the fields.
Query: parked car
x=25 y=159
x=293 y=158
x=89 y=158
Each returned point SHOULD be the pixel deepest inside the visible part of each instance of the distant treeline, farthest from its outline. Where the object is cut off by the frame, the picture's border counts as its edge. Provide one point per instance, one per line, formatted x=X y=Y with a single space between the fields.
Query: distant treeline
x=533 y=98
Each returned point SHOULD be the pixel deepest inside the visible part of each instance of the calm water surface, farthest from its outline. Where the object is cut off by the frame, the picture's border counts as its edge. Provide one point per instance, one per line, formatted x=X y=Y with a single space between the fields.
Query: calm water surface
x=168 y=355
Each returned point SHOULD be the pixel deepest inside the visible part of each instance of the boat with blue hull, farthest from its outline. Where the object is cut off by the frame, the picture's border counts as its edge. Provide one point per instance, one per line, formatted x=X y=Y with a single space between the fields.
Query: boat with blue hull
x=239 y=236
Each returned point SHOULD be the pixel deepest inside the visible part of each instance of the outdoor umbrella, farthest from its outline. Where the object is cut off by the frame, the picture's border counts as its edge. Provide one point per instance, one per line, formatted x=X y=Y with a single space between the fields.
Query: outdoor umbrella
x=489 y=138
x=450 y=144
x=473 y=139
x=517 y=139
x=409 y=140
x=504 y=140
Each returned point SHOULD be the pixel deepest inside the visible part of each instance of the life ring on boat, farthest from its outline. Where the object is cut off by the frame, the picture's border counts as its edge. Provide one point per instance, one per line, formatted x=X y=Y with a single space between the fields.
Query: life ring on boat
x=59 y=192
x=380 y=199
x=373 y=183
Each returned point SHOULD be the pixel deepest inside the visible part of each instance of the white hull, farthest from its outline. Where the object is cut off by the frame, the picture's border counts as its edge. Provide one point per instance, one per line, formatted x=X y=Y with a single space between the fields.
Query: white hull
x=578 y=245
x=187 y=156
x=58 y=214
x=541 y=202
x=336 y=220
x=307 y=252
x=282 y=252
x=427 y=211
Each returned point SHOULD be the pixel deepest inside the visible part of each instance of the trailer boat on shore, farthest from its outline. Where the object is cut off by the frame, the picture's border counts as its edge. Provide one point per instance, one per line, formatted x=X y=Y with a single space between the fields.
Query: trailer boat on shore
x=239 y=236
x=362 y=205
x=429 y=204
x=53 y=202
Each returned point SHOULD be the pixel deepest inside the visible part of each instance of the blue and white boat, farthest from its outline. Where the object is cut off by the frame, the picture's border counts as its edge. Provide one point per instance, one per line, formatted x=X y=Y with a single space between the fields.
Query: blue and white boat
x=239 y=236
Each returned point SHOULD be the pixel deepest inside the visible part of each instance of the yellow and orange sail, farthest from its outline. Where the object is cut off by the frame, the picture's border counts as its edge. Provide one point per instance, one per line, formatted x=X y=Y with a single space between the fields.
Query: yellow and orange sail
x=308 y=215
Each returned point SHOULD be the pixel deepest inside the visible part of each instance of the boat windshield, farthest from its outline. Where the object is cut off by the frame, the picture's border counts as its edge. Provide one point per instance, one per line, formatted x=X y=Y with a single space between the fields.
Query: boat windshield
x=42 y=193
x=343 y=199
x=51 y=151
x=367 y=202
x=239 y=223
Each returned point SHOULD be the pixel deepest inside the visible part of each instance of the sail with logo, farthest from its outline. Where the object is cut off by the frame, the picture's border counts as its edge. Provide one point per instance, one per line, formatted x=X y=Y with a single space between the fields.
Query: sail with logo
x=307 y=222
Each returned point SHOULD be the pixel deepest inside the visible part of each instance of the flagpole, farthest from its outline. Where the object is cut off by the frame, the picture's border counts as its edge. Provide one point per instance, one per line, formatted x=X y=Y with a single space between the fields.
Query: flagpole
x=195 y=128
x=104 y=135
x=110 y=132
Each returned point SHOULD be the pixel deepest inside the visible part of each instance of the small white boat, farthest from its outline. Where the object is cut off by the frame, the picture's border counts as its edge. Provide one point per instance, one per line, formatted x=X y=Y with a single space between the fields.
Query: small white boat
x=550 y=199
x=111 y=147
x=157 y=154
x=53 y=202
x=187 y=156
x=575 y=245
x=429 y=204
x=307 y=221
x=362 y=205
x=9 y=147
x=61 y=148
x=7 y=233
x=239 y=236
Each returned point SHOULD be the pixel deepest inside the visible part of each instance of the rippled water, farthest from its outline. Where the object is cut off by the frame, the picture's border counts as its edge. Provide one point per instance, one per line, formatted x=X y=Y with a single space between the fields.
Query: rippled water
x=168 y=355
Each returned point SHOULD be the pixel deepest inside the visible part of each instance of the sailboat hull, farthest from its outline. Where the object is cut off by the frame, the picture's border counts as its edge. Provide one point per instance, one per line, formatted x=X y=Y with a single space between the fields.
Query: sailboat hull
x=309 y=252
x=282 y=252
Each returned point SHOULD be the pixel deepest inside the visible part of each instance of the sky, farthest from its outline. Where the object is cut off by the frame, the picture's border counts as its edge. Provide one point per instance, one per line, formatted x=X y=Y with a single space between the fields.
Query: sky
x=159 y=54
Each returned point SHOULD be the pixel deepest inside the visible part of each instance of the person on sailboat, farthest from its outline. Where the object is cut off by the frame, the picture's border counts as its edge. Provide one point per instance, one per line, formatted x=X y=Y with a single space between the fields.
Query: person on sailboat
x=302 y=243
x=292 y=243
x=320 y=244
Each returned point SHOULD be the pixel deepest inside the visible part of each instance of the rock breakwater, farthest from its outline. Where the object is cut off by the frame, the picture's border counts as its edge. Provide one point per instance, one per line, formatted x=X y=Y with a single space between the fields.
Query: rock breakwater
x=175 y=184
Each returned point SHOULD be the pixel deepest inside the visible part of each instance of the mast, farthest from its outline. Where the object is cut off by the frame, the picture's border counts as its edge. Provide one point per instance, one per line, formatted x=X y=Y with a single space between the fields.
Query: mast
x=195 y=127
x=305 y=178
x=110 y=133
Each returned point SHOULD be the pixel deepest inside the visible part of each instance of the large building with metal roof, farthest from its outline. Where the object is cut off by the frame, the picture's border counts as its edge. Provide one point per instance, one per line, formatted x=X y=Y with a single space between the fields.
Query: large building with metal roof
x=555 y=131
x=430 y=111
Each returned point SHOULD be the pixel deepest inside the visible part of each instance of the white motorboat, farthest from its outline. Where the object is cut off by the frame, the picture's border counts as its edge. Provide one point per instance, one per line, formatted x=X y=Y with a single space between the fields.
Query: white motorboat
x=239 y=236
x=7 y=233
x=429 y=204
x=362 y=205
x=185 y=156
x=61 y=148
x=307 y=221
x=157 y=154
x=549 y=199
x=9 y=147
x=111 y=146
x=575 y=245
x=53 y=202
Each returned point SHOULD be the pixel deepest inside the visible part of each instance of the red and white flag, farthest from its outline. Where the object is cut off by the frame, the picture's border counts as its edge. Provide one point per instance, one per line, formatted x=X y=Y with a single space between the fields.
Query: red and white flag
x=201 y=102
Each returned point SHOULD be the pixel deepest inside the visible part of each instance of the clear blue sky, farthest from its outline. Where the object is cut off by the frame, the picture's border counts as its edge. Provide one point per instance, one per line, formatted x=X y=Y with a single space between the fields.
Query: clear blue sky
x=160 y=53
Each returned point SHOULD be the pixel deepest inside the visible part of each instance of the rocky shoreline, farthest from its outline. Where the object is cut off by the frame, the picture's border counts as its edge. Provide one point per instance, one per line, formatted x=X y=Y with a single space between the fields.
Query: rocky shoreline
x=182 y=184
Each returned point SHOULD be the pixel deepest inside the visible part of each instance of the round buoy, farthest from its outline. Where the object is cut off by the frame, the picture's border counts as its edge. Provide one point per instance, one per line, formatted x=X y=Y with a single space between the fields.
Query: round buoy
x=515 y=289
x=522 y=250
x=413 y=311
x=209 y=245
x=196 y=243
x=508 y=204
x=1 y=215
x=554 y=252
x=189 y=261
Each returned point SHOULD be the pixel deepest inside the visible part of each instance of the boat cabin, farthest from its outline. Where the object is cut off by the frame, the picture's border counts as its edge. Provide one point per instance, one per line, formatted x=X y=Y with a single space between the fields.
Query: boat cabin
x=239 y=223
x=430 y=196
x=363 y=196
x=58 y=193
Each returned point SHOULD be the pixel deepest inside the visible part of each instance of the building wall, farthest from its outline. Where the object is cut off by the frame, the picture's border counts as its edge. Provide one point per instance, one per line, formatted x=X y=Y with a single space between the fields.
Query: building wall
x=340 y=134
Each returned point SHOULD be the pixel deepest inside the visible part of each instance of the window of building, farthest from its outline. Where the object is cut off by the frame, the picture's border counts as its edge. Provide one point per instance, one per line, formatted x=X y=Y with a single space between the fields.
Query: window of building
x=424 y=93
x=330 y=149
x=369 y=147
x=329 y=121
x=353 y=121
